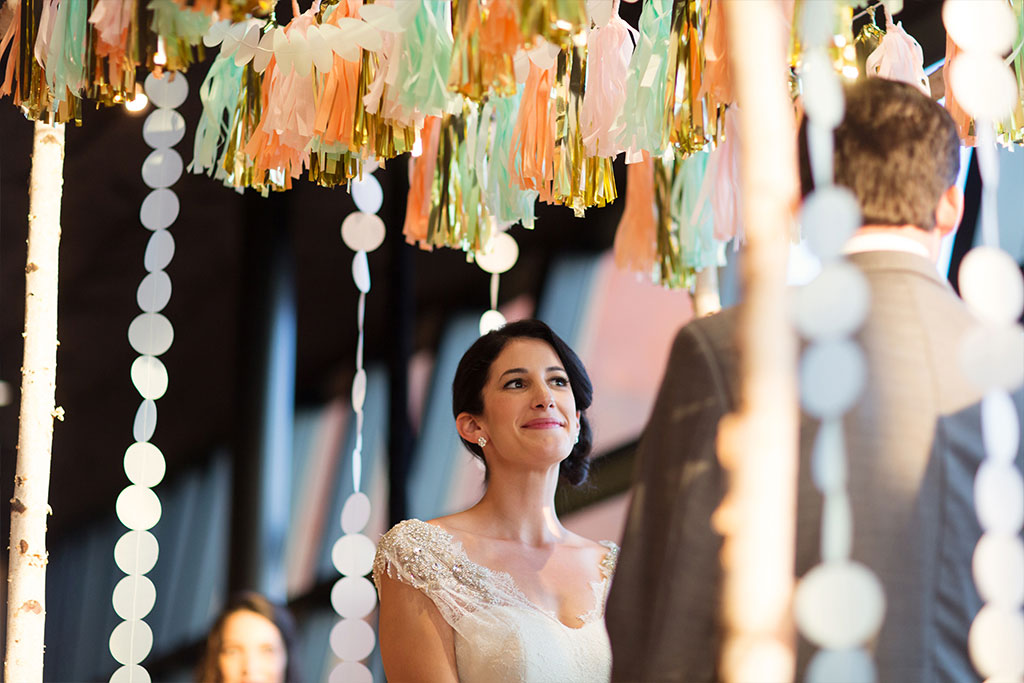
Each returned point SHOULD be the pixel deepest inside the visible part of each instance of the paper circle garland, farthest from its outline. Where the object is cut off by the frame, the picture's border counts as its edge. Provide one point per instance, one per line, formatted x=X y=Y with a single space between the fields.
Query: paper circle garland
x=998 y=568
x=163 y=128
x=367 y=195
x=130 y=674
x=134 y=597
x=356 y=512
x=491 y=320
x=138 y=507
x=136 y=552
x=991 y=284
x=361 y=272
x=849 y=666
x=999 y=497
x=150 y=334
x=994 y=643
x=162 y=168
x=834 y=304
x=353 y=555
x=131 y=641
x=168 y=92
x=352 y=639
x=149 y=377
x=1000 y=426
x=980 y=26
x=832 y=376
x=500 y=255
x=350 y=672
x=828 y=218
x=984 y=85
x=154 y=292
x=145 y=421
x=353 y=597
x=159 y=251
x=362 y=231
x=839 y=604
x=159 y=209
x=144 y=464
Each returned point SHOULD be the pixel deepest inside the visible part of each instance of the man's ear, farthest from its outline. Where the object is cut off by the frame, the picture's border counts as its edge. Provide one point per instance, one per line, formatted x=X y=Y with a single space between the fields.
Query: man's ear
x=950 y=210
x=469 y=427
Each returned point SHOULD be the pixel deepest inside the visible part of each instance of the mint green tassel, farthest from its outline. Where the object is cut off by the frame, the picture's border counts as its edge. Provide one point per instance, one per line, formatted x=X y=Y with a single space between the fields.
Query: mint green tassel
x=219 y=95
x=643 y=119
x=507 y=201
x=425 y=60
x=180 y=28
x=698 y=247
x=65 y=59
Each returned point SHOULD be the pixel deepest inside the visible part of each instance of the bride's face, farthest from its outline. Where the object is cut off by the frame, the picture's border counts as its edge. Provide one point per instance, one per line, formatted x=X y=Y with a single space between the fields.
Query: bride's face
x=529 y=408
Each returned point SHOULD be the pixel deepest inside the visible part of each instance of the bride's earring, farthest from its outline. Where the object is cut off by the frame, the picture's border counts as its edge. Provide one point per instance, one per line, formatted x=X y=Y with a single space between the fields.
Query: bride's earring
x=482 y=441
x=577 y=437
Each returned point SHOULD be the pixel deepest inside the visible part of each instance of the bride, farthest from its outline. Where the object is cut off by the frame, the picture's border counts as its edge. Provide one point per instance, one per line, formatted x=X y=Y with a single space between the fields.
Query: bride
x=502 y=591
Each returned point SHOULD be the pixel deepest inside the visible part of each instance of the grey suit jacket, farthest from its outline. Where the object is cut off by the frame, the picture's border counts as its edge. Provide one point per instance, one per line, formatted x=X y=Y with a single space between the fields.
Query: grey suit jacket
x=913 y=446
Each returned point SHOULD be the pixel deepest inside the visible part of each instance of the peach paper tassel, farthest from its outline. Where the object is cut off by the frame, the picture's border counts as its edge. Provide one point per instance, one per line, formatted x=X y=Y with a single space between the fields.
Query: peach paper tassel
x=723 y=174
x=717 y=74
x=961 y=118
x=421 y=180
x=286 y=127
x=532 y=151
x=10 y=35
x=335 y=114
x=636 y=238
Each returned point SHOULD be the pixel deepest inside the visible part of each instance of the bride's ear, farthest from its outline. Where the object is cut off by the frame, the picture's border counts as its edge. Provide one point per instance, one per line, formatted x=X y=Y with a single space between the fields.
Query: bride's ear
x=469 y=427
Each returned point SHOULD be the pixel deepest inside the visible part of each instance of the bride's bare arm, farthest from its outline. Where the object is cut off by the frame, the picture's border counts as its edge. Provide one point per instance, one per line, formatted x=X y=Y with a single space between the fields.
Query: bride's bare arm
x=416 y=643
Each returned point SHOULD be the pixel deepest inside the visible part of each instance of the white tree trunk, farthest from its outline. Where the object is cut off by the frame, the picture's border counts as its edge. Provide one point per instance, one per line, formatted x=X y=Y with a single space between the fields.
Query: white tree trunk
x=758 y=444
x=26 y=595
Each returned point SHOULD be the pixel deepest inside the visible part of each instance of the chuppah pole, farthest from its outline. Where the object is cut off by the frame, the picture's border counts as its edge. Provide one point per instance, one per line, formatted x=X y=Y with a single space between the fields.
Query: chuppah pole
x=758 y=444
x=26 y=596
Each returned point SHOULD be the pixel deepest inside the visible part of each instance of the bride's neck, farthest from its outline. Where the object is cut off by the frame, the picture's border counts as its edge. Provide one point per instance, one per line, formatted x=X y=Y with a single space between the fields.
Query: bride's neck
x=521 y=506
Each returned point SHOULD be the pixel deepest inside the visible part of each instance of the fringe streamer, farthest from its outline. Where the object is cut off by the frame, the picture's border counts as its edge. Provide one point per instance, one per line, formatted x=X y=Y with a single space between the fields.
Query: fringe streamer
x=723 y=175
x=116 y=51
x=219 y=95
x=240 y=170
x=694 y=122
x=691 y=215
x=10 y=37
x=867 y=41
x=1011 y=130
x=555 y=21
x=485 y=37
x=609 y=49
x=644 y=119
x=898 y=58
x=182 y=30
x=287 y=124
x=531 y=154
x=636 y=238
x=424 y=64
x=421 y=178
x=65 y=58
x=716 y=82
x=504 y=200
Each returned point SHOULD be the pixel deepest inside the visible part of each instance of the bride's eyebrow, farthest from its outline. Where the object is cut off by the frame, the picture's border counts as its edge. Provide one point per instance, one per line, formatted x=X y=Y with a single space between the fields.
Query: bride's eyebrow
x=513 y=371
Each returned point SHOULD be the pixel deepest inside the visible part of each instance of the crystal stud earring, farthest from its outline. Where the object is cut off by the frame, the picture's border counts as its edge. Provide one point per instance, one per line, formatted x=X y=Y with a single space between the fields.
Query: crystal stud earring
x=482 y=441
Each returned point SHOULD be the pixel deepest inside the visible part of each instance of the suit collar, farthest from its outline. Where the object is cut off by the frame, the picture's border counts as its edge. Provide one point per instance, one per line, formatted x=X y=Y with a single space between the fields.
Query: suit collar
x=897 y=261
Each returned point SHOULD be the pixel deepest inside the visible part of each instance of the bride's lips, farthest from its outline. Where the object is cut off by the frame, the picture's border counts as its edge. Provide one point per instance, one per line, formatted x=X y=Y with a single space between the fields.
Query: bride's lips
x=544 y=423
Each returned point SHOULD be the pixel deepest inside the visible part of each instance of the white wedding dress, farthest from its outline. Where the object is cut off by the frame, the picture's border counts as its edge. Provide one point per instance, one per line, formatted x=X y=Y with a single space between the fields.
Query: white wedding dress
x=500 y=636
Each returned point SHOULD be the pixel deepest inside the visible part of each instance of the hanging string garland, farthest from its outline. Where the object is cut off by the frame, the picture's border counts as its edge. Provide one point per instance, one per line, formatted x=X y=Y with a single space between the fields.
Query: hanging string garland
x=501 y=255
x=150 y=334
x=353 y=595
x=839 y=605
x=992 y=354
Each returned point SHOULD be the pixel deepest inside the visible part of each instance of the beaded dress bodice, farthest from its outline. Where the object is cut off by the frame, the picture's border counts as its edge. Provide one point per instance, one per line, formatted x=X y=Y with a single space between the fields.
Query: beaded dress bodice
x=500 y=635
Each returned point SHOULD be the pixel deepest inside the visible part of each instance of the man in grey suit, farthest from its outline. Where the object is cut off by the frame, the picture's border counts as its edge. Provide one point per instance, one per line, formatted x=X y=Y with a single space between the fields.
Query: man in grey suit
x=913 y=439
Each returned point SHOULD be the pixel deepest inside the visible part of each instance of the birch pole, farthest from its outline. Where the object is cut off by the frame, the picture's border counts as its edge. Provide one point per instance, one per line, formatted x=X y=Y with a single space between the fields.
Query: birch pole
x=26 y=579
x=758 y=444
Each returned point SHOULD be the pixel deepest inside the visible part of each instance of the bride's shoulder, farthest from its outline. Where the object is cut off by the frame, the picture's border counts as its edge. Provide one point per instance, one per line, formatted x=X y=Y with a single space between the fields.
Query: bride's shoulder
x=415 y=533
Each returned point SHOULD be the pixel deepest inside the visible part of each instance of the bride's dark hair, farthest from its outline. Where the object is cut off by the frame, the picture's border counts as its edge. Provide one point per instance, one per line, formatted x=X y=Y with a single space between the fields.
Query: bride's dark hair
x=475 y=366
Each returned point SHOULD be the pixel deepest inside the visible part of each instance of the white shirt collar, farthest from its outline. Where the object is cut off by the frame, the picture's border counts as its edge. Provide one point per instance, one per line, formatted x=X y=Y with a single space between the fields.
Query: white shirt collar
x=881 y=241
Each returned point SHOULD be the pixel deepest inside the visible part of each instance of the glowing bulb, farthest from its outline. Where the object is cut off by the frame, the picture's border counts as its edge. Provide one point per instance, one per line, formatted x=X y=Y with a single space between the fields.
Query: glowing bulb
x=161 y=55
x=839 y=40
x=137 y=103
x=417 y=147
x=850 y=73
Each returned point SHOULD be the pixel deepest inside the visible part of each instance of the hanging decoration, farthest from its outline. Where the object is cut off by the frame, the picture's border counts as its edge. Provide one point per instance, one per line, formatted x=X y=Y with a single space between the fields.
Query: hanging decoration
x=150 y=335
x=839 y=605
x=500 y=256
x=353 y=595
x=991 y=353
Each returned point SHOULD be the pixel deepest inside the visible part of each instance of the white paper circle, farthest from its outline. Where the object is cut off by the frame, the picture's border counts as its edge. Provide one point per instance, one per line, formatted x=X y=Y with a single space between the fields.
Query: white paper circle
x=149 y=377
x=361 y=272
x=215 y=34
x=829 y=217
x=163 y=128
x=352 y=639
x=130 y=674
x=159 y=251
x=832 y=376
x=356 y=513
x=350 y=672
x=162 y=168
x=993 y=357
x=822 y=92
x=145 y=421
x=986 y=26
x=834 y=304
x=839 y=605
x=151 y=334
x=353 y=597
x=836 y=528
x=983 y=85
x=999 y=497
x=169 y=91
x=131 y=641
x=138 y=508
x=367 y=194
x=991 y=284
x=359 y=389
x=499 y=255
x=159 y=209
x=353 y=555
x=994 y=643
x=362 y=231
x=849 y=666
x=998 y=567
x=154 y=292
x=491 y=320
x=134 y=597
x=136 y=552
x=144 y=464
x=1000 y=426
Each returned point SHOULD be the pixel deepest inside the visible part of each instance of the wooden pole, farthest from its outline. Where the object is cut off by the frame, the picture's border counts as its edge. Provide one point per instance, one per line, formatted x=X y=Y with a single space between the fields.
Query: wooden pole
x=758 y=444
x=26 y=578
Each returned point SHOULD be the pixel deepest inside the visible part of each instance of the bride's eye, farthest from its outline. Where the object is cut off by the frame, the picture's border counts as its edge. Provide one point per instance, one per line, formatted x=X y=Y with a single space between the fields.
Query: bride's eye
x=559 y=381
x=516 y=383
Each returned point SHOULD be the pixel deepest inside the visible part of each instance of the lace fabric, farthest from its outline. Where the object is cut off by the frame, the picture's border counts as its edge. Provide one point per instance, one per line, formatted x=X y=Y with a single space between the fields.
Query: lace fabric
x=500 y=633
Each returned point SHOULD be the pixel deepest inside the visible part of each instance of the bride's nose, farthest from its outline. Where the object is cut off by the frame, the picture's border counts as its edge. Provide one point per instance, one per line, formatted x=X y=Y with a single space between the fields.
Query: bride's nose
x=545 y=399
